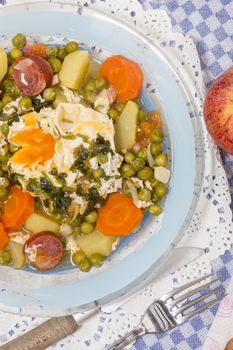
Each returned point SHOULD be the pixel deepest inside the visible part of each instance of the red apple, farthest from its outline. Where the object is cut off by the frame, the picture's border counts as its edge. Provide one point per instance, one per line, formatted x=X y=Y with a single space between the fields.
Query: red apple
x=218 y=111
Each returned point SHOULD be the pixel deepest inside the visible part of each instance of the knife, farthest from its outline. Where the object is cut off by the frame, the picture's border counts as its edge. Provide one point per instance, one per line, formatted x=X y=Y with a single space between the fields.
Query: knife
x=57 y=328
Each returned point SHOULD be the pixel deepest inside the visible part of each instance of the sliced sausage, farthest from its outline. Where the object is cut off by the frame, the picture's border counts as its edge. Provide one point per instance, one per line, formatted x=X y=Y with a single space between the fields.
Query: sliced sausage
x=28 y=76
x=44 y=251
x=44 y=67
x=27 y=48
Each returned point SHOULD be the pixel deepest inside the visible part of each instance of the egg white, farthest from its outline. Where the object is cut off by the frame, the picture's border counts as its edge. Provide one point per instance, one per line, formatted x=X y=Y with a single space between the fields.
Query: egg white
x=68 y=119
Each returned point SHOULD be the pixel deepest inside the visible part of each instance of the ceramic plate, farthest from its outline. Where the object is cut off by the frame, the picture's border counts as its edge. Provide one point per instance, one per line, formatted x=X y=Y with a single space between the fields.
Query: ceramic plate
x=66 y=290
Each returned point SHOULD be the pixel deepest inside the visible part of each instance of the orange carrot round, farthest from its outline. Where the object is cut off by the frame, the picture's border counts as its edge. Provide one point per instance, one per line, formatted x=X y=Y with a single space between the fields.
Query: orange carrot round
x=17 y=208
x=124 y=75
x=3 y=237
x=119 y=216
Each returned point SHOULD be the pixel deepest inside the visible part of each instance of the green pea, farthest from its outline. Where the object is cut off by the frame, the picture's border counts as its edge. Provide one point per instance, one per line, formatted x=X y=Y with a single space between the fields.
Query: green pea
x=156 y=148
x=5 y=257
x=4 y=182
x=146 y=173
x=90 y=86
x=154 y=182
x=77 y=257
x=8 y=85
x=87 y=227
x=84 y=265
x=16 y=53
x=161 y=160
x=6 y=99
x=97 y=173
x=19 y=40
x=155 y=209
x=157 y=135
x=97 y=185
x=3 y=194
x=5 y=129
x=25 y=102
x=155 y=198
x=113 y=113
x=77 y=230
x=97 y=260
x=120 y=107
x=16 y=92
x=1 y=106
x=10 y=71
x=51 y=51
x=138 y=164
x=13 y=148
x=92 y=217
x=129 y=157
x=89 y=97
x=71 y=46
x=74 y=222
x=127 y=170
x=61 y=53
x=10 y=60
x=4 y=166
x=141 y=115
x=101 y=83
x=102 y=158
x=142 y=153
x=161 y=190
x=55 y=64
x=49 y=94
x=144 y=194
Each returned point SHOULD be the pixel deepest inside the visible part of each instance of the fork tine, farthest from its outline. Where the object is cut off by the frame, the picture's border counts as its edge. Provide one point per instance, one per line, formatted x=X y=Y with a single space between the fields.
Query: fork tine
x=200 y=309
x=182 y=288
x=196 y=300
x=190 y=293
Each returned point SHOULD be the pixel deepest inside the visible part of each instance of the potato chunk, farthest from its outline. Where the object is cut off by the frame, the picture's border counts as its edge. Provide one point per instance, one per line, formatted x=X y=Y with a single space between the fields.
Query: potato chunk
x=96 y=243
x=126 y=127
x=74 y=69
x=38 y=223
x=3 y=63
x=17 y=254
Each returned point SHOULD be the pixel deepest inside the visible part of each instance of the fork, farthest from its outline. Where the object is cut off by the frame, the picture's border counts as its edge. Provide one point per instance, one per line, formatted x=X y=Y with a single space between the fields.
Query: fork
x=172 y=309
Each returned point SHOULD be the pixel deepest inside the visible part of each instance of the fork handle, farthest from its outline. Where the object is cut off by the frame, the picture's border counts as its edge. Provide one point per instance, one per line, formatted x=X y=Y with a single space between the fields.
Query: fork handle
x=127 y=339
x=44 y=335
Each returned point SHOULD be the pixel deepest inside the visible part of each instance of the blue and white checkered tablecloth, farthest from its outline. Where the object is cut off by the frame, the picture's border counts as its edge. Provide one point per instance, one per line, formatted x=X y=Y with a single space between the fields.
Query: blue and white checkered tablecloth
x=210 y=24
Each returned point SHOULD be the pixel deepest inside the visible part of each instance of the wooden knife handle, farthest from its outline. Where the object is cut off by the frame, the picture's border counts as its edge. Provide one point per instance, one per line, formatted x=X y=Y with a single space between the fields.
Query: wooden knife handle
x=46 y=334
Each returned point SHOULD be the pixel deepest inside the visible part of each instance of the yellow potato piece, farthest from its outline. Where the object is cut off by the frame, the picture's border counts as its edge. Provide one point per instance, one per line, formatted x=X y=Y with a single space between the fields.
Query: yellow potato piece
x=38 y=223
x=74 y=69
x=96 y=243
x=3 y=63
x=126 y=127
x=17 y=254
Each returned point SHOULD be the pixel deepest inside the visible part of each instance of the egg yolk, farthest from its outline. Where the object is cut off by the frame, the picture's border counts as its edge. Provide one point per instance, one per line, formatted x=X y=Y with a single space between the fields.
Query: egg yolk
x=38 y=146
